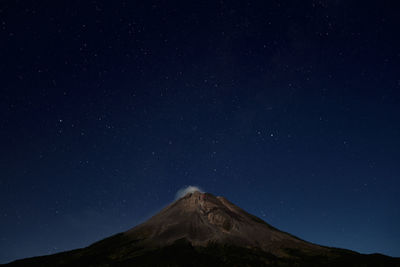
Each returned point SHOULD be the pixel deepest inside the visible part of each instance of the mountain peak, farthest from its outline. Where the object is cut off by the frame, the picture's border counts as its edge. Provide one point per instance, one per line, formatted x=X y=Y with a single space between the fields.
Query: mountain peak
x=198 y=198
x=186 y=190
x=206 y=204
x=194 y=194
x=202 y=218
x=203 y=196
x=201 y=229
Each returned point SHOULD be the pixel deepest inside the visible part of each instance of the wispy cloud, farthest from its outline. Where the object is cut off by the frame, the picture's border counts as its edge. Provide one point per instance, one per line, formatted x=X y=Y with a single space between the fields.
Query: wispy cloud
x=188 y=189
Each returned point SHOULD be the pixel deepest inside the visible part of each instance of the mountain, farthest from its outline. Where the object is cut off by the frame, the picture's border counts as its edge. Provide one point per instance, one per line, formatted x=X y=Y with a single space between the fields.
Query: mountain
x=200 y=229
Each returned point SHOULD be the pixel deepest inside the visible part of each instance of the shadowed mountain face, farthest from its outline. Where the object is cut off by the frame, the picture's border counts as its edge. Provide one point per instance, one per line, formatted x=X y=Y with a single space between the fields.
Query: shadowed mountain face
x=200 y=229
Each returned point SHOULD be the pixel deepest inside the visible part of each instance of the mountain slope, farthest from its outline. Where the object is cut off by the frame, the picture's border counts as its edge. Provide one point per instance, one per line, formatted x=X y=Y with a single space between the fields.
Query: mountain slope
x=200 y=229
x=203 y=218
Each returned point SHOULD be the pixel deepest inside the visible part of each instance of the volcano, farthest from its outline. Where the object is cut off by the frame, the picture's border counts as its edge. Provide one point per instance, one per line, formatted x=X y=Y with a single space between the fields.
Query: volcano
x=201 y=229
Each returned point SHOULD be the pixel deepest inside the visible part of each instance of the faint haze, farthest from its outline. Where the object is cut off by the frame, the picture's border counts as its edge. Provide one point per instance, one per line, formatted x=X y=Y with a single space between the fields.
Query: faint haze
x=189 y=189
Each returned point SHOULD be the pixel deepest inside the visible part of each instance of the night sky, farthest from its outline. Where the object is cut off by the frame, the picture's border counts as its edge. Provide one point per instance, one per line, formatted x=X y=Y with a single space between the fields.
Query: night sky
x=290 y=109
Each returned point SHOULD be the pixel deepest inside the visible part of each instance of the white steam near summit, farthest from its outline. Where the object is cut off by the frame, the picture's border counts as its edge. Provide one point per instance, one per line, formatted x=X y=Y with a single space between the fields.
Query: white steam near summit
x=189 y=189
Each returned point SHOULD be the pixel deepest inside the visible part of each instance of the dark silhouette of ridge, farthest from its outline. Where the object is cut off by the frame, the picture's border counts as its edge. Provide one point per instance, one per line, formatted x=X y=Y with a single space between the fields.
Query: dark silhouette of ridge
x=200 y=229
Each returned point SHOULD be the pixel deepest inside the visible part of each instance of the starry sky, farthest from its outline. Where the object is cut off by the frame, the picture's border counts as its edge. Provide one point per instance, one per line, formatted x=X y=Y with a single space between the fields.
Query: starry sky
x=290 y=109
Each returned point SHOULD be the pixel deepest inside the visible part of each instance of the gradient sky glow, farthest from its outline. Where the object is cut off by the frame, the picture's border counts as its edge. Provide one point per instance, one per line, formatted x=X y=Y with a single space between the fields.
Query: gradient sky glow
x=289 y=109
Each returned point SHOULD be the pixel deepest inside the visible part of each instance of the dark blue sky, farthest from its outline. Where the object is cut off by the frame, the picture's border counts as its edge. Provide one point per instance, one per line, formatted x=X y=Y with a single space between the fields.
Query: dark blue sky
x=290 y=109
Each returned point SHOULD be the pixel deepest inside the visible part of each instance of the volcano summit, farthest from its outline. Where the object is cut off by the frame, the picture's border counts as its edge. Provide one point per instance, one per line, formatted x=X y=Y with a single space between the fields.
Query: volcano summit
x=201 y=229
